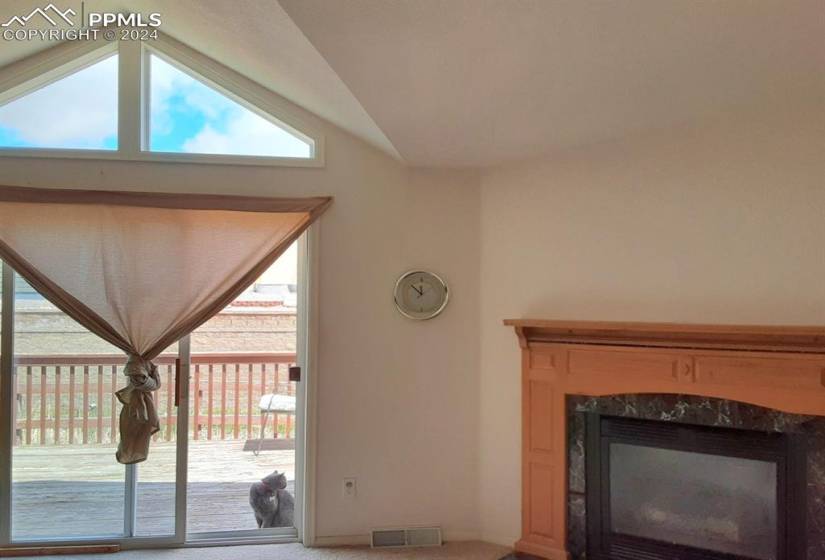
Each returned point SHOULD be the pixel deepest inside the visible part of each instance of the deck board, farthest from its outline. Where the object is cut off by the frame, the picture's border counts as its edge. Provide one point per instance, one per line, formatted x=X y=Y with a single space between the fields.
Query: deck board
x=77 y=491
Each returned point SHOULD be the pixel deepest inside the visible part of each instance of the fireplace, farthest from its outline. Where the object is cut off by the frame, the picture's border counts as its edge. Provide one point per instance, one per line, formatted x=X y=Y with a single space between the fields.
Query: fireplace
x=661 y=490
x=766 y=373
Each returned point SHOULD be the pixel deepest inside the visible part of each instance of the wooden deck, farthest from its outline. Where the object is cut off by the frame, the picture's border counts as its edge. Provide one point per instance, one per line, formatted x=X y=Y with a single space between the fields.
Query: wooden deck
x=78 y=491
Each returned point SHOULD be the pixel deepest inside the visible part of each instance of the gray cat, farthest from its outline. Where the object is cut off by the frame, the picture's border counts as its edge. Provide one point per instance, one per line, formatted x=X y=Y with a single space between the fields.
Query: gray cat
x=284 y=517
x=272 y=504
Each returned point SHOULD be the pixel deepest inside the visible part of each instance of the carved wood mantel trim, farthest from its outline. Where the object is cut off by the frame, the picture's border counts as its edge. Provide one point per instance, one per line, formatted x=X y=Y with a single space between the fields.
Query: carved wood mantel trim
x=778 y=367
x=672 y=335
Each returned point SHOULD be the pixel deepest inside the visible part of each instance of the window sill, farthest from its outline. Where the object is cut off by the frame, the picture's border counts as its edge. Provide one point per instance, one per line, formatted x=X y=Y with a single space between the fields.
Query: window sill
x=161 y=157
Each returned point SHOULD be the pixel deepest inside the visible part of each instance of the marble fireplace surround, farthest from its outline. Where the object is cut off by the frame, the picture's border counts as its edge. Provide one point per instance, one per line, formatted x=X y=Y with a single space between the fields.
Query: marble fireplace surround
x=775 y=367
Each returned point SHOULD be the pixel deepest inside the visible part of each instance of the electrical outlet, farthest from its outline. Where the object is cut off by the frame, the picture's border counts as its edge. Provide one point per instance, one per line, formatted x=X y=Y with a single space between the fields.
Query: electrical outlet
x=350 y=487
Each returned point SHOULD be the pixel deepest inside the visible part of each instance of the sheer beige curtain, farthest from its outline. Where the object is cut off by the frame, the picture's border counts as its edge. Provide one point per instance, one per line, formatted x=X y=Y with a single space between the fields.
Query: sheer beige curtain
x=141 y=270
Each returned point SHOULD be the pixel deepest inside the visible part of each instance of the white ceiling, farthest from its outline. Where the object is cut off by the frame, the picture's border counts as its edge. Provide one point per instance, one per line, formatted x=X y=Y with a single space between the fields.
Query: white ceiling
x=478 y=82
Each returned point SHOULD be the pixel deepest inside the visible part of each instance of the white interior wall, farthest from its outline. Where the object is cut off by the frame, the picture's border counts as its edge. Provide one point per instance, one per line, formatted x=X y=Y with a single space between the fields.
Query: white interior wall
x=393 y=397
x=715 y=223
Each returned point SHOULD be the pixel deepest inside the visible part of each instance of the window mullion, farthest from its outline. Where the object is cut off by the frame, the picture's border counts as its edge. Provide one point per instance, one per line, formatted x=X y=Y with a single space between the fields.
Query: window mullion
x=130 y=97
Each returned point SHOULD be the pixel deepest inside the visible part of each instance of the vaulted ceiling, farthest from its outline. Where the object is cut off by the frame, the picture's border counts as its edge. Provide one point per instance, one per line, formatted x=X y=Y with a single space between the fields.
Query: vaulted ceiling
x=478 y=82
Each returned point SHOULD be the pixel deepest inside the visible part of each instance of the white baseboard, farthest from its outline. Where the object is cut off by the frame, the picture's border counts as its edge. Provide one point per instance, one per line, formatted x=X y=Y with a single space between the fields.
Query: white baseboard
x=459 y=536
x=503 y=540
x=342 y=540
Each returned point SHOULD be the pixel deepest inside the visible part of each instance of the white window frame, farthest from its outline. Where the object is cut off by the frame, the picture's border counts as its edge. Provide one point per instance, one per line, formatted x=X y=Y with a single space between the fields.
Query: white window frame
x=47 y=67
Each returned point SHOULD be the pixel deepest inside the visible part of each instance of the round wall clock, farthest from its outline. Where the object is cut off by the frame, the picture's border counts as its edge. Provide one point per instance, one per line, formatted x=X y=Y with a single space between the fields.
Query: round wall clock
x=420 y=294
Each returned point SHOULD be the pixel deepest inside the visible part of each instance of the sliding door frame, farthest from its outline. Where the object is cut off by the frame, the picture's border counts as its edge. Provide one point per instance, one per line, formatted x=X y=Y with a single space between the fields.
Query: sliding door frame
x=6 y=402
x=305 y=436
x=309 y=255
x=303 y=318
x=182 y=439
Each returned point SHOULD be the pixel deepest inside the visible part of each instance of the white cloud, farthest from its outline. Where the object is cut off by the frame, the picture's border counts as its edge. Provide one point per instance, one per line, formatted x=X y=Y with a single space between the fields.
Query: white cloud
x=161 y=88
x=167 y=82
x=247 y=134
x=230 y=128
x=78 y=111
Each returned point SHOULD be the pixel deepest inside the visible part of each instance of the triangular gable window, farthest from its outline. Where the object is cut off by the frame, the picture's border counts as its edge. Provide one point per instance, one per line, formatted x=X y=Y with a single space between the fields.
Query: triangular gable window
x=188 y=116
x=137 y=100
x=77 y=111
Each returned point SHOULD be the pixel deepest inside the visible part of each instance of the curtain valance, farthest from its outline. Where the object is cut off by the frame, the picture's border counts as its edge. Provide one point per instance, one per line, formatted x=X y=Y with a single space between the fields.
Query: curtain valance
x=141 y=270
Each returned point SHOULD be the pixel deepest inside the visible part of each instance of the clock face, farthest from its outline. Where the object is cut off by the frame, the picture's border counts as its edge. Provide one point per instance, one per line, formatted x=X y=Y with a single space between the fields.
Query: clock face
x=420 y=295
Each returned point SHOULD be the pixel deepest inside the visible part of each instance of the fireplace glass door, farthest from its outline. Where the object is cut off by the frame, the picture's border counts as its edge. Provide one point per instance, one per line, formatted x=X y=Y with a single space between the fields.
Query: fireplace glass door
x=725 y=504
x=659 y=490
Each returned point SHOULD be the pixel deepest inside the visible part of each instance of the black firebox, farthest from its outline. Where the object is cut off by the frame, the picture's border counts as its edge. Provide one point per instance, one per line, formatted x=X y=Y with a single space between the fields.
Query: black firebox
x=666 y=491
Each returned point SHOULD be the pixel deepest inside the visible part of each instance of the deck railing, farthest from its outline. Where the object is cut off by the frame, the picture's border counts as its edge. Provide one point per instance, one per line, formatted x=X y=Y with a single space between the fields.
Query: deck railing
x=65 y=400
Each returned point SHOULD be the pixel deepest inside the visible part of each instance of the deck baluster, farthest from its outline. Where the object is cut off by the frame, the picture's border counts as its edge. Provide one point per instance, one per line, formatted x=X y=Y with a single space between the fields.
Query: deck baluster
x=57 y=405
x=29 y=393
x=209 y=400
x=169 y=401
x=18 y=402
x=197 y=394
x=290 y=390
x=223 y=401
x=43 y=387
x=71 y=403
x=85 y=404
x=113 y=435
x=237 y=394
x=99 y=409
x=249 y=398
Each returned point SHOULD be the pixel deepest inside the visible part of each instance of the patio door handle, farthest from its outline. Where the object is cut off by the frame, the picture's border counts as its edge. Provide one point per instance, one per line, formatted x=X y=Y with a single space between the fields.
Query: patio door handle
x=294 y=373
x=177 y=382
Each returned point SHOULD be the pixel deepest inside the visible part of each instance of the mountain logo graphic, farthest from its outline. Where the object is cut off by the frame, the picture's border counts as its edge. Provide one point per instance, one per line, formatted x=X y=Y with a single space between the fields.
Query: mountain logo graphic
x=50 y=13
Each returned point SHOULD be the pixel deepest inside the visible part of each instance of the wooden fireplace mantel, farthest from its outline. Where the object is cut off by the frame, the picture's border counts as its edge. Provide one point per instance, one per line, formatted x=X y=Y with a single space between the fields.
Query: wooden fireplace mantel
x=778 y=367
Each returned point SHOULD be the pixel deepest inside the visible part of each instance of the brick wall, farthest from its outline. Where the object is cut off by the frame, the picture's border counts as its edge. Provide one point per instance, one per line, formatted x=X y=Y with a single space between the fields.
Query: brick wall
x=47 y=331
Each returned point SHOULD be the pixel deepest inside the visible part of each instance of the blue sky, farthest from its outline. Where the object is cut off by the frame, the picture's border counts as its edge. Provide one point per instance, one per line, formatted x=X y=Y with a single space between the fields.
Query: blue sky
x=188 y=116
x=80 y=112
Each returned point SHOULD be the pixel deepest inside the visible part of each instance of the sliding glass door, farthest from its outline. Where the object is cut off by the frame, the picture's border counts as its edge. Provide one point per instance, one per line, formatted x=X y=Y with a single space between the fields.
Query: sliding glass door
x=65 y=481
x=242 y=412
x=229 y=416
x=153 y=483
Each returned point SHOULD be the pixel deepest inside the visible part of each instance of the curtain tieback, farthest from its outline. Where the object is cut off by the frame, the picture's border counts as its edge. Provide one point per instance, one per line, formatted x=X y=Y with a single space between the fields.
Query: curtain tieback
x=139 y=418
x=143 y=380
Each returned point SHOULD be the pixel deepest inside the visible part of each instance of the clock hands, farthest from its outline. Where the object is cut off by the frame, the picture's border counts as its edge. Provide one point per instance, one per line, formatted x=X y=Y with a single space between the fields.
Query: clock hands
x=420 y=292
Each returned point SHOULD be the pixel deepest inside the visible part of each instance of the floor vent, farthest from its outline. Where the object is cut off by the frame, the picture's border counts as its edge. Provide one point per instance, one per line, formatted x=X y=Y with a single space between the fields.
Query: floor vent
x=400 y=537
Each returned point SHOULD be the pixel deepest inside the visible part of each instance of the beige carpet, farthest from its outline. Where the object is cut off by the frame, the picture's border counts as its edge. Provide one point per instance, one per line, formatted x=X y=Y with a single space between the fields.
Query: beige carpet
x=450 y=551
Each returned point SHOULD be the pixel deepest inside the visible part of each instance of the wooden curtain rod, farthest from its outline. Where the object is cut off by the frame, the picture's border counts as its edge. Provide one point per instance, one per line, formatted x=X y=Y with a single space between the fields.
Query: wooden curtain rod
x=187 y=201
